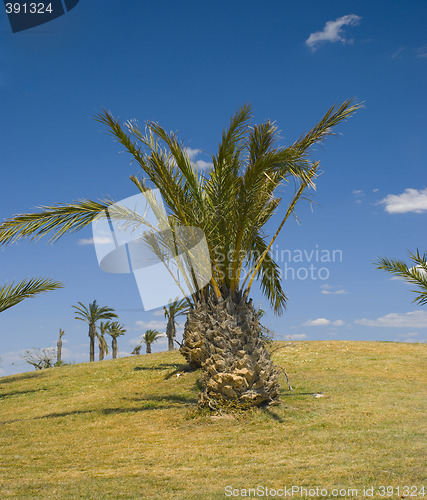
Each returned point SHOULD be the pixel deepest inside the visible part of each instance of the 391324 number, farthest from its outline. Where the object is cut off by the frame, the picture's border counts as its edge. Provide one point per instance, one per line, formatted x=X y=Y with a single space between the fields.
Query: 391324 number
x=28 y=8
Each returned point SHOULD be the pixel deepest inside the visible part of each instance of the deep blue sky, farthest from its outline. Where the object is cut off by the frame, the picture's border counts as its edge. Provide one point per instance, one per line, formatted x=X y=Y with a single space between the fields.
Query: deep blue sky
x=189 y=65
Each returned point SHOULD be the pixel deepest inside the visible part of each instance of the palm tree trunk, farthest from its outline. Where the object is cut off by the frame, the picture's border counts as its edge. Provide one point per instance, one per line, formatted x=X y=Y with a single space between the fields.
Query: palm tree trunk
x=114 y=347
x=170 y=332
x=92 y=333
x=193 y=344
x=148 y=351
x=225 y=340
x=101 y=351
x=59 y=352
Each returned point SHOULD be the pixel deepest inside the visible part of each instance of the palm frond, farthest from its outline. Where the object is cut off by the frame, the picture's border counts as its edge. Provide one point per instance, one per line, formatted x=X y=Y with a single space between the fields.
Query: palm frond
x=55 y=220
x=12 y=294
x=416 y=275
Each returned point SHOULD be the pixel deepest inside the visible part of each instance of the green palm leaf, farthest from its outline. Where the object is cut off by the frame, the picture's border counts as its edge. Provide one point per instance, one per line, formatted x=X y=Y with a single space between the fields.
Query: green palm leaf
x=12 y=294
x=416 y=275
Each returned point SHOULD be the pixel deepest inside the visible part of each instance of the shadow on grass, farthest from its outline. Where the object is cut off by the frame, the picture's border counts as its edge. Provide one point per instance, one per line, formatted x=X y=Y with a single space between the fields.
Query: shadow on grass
x=273 y=415
x=15 y=378
x=18 y=393
x=179 y=368
x=294 y=394
x=147 y=403
x=170 y=398
x=105 y=411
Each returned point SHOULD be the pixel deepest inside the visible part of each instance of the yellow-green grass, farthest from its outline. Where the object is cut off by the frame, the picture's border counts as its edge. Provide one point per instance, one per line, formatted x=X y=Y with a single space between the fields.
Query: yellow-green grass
x=125 y=428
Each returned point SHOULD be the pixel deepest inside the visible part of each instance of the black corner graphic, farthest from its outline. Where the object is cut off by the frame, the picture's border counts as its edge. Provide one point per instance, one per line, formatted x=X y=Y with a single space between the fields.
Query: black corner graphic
x=26 y=14
x=70 y=4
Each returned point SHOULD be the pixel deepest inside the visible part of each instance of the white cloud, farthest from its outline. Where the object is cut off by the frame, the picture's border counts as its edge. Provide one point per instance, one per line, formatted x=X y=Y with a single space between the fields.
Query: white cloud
x=323 y=322
x=199 y=164
x=203 y=165
x=336 y=292
x=415 y=319
x=375 y=190
x=338 y=322
x=411 y=200
x=332 y=31
x=98 y=240
x=317 y=322
x=410 y=337
x=357 y=191
x=159 y=312
x=329 y=290
x=192 y=153
x=150 y=325
x=296 y=336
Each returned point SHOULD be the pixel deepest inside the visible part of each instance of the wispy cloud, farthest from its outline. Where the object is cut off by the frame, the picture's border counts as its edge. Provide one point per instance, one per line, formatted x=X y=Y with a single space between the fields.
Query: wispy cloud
x=338 y=322
x=203 y=165
x=296 y=336
x=329 y=290
x=341 y=291
x=359 y=195
x=192 y=153
x=415 y=319
x=332 y=31
x=159 y=312
x=323 y=322
x=402 y=52
x=410 y=337
x=150 y=325
x=411 y=200
x=199 y=164
x=98 y=240
x=421 y=51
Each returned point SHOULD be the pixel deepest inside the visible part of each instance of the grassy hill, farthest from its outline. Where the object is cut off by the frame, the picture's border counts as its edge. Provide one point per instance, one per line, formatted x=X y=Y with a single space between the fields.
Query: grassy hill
x=126 y=428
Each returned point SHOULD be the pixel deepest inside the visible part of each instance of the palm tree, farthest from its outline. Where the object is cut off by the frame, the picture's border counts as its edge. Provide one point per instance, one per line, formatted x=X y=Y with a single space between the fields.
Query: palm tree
x=137 y=350
x=92 y=315
x=231 y=202
x=115 y=329
x=11 y=294
x=149 y=337
x=59 y=348
x=416 y=275
x=102 y=343
x=173 y=310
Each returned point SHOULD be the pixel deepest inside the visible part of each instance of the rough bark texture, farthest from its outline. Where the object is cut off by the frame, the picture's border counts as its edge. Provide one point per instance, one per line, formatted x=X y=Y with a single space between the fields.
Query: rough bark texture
x=114 y=347
x=92 y=333
x=170 y=332
x=148 y=349
x=59 y=352
x=224 y=337
x=101 y=351
x=193 y=344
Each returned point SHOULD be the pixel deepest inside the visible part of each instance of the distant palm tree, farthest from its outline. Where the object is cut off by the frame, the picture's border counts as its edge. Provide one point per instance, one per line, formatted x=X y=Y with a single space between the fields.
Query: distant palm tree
x=416 y=275
x=92 y=315
x=171 y=311
x=137 y=350
x=115 y=329
x=102 y=343
x=149 y=337
x=11 y=294
x=59 y=348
